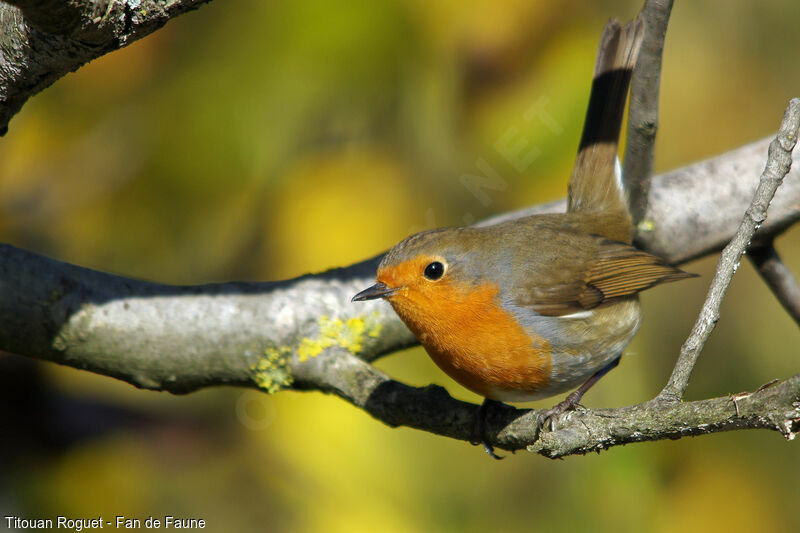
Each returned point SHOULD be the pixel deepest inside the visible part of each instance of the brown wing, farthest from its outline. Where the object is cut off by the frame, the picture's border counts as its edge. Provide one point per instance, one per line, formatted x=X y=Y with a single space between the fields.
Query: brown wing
x=615 y=270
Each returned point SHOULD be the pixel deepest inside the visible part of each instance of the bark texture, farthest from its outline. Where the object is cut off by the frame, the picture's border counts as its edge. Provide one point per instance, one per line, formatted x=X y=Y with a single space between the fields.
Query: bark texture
x=42 y=40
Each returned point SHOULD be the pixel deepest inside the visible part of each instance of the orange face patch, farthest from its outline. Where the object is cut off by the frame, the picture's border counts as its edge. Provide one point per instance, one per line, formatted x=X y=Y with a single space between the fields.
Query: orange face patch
x=466 y=331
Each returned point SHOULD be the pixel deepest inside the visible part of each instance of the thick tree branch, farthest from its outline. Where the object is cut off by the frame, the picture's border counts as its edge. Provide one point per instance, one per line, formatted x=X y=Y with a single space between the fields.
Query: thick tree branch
x=42 y=40
x=643 y=116
x=181 y=339
x=184 y=338
x=779 y=162
x=778 y=277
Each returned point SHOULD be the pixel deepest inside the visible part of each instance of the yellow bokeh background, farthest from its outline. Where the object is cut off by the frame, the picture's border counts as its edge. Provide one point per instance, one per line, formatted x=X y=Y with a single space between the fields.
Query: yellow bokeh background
x=265 y=140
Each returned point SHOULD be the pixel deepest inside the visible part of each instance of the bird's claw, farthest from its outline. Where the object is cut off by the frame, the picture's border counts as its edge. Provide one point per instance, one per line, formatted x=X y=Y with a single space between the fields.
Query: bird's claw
x=489 y=449
x=547 y=418
x=479 y=430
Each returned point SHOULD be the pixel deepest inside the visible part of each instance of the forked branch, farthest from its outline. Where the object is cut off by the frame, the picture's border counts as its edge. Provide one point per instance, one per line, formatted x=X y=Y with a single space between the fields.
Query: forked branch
x=779 y=162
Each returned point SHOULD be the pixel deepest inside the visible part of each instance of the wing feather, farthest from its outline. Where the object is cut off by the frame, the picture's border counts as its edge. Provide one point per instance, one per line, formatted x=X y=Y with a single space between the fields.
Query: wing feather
x=613 y=270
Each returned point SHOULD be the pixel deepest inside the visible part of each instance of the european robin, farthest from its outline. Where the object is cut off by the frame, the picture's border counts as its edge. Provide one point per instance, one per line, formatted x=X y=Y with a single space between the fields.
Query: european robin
x=536 y=306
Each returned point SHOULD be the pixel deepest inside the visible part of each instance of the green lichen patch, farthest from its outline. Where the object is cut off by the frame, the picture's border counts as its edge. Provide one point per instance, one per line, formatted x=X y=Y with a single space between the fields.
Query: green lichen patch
x=272 y=372
x=348 y=334
x=646 y=224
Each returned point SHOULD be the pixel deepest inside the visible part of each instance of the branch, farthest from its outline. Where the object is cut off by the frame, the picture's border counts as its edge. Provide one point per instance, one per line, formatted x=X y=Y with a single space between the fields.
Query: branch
x=42 y=40
x=778 y=277
x=643 y=115
x=181 y=339
x=775 y=407
x=779 y=162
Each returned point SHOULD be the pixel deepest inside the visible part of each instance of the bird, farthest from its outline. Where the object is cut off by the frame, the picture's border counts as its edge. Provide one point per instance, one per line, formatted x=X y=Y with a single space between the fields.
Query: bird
x=536 y=306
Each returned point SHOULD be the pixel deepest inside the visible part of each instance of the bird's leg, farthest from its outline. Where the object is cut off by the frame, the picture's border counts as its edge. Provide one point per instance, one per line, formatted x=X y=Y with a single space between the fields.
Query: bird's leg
x=479 y=431
x=573 y=400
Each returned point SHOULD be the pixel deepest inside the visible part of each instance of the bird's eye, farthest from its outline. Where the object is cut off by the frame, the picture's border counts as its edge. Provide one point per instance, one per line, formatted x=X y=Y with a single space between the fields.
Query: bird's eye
x=434 y=271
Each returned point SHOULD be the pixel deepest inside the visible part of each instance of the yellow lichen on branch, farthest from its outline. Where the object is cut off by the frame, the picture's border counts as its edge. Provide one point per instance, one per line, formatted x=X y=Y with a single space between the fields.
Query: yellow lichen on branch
x=272 y=371
x=347 y=334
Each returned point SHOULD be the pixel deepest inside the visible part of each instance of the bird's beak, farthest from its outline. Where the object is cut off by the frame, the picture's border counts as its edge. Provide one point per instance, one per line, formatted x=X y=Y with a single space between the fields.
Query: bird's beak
x=379 y=290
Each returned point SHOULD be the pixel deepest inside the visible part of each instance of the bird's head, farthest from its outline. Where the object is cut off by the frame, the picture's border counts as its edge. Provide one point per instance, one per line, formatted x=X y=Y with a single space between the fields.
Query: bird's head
x=424 y=274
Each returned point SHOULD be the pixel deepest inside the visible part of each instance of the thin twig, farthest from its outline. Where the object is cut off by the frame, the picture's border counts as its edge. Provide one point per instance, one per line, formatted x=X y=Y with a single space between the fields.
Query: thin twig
x=643 y=114
x=779 y=162
x=778 y=277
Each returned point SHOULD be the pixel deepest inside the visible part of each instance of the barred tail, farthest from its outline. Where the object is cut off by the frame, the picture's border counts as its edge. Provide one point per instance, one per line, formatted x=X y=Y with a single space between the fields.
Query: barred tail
x=596 y=184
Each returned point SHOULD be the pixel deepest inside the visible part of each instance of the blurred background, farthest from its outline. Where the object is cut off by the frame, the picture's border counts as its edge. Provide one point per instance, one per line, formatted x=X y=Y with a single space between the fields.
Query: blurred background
x=253 y=140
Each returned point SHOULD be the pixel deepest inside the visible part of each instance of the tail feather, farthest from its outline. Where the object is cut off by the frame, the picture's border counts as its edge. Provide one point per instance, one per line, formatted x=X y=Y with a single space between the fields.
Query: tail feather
x=595 y=184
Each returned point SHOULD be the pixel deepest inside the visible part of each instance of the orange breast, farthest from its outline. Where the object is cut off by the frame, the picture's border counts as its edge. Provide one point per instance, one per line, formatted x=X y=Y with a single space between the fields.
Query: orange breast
x=474 y=340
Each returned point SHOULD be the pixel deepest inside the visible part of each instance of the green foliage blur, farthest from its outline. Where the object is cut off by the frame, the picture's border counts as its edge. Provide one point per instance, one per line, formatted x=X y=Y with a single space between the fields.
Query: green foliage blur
x=264 y=140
